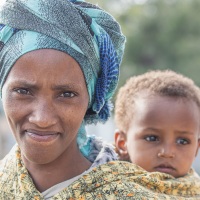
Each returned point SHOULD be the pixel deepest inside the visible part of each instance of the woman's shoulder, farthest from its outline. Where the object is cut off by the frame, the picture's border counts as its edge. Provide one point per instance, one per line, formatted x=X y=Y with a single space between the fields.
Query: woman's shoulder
x=8 y=159
x=7 y=174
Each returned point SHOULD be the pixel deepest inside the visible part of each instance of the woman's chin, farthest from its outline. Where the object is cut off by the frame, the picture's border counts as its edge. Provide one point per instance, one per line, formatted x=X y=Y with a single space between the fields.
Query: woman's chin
x=41 y=153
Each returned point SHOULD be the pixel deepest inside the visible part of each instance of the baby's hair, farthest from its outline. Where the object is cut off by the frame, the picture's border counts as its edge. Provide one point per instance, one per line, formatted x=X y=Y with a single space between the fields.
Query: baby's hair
x=164 y=83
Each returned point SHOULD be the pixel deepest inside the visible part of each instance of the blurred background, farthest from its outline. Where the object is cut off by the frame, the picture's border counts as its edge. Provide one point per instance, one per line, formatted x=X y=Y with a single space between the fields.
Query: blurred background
x=161 y=34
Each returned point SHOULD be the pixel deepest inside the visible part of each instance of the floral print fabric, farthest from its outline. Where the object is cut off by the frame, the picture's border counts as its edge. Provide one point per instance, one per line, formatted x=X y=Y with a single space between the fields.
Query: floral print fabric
x=113 y=180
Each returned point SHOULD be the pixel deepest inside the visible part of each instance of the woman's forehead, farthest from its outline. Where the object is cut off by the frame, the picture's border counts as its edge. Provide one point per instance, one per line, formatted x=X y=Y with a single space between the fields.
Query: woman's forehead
x=46 y=63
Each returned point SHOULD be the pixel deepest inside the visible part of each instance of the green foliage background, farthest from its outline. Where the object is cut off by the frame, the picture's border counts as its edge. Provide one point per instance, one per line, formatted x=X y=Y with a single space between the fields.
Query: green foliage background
x=161 y=34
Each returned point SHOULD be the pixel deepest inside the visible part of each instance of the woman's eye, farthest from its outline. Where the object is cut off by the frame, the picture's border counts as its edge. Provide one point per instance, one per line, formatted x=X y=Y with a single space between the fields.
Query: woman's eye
x=22 y=91
x=67 y=94
x=182 y=141
x=151 y=138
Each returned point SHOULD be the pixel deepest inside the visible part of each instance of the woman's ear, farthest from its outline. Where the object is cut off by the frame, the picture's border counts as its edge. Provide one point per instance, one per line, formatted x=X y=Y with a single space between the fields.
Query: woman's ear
x=120 y=144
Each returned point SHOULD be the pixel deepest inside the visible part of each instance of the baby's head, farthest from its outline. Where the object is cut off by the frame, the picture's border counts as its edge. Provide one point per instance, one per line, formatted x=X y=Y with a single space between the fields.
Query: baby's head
x=158 y=119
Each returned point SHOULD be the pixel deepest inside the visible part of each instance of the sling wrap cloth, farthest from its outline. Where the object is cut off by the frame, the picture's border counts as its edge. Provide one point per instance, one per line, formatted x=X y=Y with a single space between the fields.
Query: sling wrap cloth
x=114 y=180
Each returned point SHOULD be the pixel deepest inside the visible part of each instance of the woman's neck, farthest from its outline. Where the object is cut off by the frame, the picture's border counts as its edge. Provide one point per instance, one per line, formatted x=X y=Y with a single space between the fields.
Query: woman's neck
x=66 y=166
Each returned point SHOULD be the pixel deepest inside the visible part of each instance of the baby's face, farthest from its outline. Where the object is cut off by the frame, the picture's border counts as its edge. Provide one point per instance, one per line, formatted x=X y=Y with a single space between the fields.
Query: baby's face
x=163 y=134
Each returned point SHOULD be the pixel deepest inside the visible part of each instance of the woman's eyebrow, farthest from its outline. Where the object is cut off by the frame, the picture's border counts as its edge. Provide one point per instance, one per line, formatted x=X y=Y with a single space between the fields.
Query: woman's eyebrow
x=66 y=87
x=34 y=85
x=24 y=83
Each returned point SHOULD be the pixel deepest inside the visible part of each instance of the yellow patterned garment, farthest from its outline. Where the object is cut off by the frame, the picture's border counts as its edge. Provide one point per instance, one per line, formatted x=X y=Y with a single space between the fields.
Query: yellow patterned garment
x=114 y=180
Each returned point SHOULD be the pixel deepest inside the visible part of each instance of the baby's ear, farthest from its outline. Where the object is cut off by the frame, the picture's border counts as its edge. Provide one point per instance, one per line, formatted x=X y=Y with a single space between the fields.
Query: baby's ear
x=120 y=144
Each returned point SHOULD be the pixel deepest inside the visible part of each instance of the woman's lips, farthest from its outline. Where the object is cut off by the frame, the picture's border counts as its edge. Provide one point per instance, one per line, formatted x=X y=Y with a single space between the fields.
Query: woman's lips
x=39 y=136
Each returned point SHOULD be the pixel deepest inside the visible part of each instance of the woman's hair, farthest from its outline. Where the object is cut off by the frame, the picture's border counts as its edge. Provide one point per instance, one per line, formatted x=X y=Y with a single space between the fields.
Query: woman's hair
x=164 y=83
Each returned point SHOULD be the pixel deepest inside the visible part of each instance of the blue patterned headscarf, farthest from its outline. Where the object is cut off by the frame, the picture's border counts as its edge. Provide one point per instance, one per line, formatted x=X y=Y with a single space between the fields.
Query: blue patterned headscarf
x=82 y=30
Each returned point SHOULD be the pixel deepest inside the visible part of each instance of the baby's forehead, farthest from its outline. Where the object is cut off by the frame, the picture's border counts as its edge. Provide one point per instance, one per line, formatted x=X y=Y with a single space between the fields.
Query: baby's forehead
x=151 y=100
x=158 y=107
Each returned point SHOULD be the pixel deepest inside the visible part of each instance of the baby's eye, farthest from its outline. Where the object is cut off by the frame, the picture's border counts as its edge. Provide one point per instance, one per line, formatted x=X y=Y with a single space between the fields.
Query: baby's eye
x=22 y=91
x=151 y=138
x=67 y=94
x=182 y=141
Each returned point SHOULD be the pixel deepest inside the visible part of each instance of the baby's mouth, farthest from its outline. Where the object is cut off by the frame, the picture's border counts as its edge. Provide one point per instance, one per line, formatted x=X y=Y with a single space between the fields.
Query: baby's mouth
x=165 y=168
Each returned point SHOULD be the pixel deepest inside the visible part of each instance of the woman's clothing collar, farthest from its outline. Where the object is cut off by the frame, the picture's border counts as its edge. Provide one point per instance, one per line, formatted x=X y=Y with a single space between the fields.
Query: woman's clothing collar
x=16 y=183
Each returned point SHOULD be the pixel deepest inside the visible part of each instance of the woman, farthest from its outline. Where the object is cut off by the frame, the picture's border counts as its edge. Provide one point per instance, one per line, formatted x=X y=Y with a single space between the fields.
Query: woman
x=59 y=69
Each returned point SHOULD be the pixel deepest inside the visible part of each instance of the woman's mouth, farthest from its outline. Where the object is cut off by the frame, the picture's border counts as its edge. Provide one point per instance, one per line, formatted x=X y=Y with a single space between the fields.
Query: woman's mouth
x=40 y=136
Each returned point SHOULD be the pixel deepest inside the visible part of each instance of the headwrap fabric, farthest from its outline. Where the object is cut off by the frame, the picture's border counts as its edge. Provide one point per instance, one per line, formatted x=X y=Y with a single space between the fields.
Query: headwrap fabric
x=82 y=30
x=85 y=28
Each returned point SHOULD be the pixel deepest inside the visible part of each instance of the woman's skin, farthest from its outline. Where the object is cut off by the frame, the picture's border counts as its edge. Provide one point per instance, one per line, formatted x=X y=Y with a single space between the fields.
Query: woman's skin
x=45 y=99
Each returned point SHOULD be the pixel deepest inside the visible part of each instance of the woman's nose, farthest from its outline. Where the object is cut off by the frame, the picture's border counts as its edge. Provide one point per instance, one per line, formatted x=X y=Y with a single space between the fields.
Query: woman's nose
x=166 y=152
x=43 y=115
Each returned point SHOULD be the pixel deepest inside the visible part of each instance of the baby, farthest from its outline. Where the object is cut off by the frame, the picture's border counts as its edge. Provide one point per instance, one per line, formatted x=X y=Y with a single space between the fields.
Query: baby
x=158 y=119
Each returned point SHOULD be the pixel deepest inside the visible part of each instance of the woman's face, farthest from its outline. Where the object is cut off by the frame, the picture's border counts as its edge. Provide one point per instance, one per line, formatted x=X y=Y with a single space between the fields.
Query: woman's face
x=45 y=99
